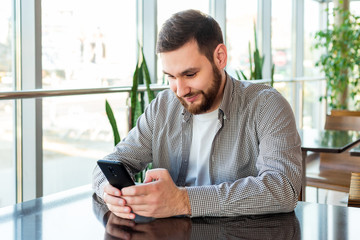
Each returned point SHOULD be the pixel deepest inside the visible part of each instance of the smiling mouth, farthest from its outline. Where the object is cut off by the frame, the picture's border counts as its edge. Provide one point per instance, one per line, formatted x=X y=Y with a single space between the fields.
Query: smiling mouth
x=192 y=98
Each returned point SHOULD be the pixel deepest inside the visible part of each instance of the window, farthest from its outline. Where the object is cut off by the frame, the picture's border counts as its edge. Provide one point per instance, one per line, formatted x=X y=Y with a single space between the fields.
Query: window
x=281 y=38
x=76 y=134
x=281 y=32
x=7 y=149
x=7 y=163
x=311 y=26
x=91 y=44
x=88 y=43
x=240 y=19
x=311 y=104
x=85 y=44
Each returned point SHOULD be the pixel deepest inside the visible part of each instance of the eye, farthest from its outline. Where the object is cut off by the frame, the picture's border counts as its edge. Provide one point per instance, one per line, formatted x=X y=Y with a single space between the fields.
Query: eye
x=170 y=77
x=190 y=75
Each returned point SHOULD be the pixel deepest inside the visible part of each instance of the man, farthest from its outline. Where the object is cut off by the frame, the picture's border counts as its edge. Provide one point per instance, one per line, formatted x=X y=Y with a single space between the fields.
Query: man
x=219 y=146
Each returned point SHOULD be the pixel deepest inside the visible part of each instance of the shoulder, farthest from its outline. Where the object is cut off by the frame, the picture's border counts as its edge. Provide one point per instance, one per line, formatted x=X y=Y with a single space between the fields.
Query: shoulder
x=166 y=98
x=166 y=102
x=251 y=94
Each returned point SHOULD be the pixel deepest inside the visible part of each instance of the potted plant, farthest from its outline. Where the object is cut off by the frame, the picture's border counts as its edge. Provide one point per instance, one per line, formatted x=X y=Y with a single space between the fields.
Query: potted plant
x=137 y=103
x=256 y=64
x=341 y=59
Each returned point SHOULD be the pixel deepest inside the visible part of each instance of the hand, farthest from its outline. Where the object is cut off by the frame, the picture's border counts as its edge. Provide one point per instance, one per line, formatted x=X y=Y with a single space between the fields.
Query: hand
x=158 y=197
x=167 y=228
x=117 y=205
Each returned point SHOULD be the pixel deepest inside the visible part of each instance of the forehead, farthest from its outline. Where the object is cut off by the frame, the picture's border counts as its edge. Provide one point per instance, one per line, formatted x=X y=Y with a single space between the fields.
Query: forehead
x=183 y=58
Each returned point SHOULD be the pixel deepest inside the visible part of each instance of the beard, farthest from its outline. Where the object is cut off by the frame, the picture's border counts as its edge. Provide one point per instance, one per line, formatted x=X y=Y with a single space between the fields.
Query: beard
x=209 y=95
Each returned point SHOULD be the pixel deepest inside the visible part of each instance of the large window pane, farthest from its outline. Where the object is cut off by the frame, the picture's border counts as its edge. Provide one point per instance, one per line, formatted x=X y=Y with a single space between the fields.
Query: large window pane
x=7 y=163
x=76 y=134
x=6 y=46
x=313 y=109
x=240 y=19
x=286 y=89
x=355 y=7
x=88 y=43
x=281 y=38
x=166 y=8
x=312 y=24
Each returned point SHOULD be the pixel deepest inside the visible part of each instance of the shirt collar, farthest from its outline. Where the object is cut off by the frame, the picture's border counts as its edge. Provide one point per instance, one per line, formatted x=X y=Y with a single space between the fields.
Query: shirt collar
x=227 y=97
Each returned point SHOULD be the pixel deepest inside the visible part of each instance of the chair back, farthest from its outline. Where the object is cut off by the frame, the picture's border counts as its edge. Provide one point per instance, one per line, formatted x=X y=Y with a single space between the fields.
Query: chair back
x=341 y=161
x=354 y=193
x=345 y=113
x=342 y=123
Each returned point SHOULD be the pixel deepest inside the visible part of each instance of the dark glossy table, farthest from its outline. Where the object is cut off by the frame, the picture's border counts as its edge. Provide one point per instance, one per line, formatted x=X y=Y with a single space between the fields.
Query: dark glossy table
x=327 y=141
x=77 y=214
x=355 y=151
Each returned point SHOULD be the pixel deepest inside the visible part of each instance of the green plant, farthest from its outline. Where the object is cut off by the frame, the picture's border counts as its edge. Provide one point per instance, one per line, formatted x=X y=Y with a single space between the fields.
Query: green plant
x=256 y=64
x=110 y=115
x=141 y=76
x=341 y=59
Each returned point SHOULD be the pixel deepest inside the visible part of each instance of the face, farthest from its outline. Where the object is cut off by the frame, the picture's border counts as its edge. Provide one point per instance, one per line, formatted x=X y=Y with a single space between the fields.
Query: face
x=193 y=78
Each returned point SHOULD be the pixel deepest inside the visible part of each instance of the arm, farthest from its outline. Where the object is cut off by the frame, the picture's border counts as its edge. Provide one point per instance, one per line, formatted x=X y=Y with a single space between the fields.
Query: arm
x=135 y=151
x=275 y=186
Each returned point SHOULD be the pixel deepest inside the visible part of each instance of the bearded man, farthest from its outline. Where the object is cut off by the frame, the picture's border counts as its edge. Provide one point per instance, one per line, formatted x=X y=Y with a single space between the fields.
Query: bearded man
x=218 y=146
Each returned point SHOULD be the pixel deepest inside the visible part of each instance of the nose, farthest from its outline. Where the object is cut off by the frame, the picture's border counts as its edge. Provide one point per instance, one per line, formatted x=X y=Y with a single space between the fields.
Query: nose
x=182 y=88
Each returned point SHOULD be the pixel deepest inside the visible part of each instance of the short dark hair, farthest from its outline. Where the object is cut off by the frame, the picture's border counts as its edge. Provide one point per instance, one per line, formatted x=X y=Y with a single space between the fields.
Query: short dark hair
x=189 y=25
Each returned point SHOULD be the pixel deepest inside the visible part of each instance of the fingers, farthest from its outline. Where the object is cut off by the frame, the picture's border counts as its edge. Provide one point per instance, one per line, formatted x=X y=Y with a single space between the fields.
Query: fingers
x=117 y=204
x=110 y=199
x=154 y=198
x=109 y=189
x=156 y=174
x=121 y=211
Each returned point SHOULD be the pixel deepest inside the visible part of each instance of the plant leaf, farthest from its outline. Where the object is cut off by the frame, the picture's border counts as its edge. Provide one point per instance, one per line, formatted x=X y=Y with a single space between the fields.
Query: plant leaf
x=145 y=69
x=113 y=124
x=133 y=95
x=243 y=75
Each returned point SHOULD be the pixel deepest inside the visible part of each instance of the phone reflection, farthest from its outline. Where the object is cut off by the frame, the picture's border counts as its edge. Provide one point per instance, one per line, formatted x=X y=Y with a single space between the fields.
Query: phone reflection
x=274 y=226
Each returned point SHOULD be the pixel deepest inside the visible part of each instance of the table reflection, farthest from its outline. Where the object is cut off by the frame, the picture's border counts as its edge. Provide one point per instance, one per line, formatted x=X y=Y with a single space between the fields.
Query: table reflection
x=327 y=140
x=274 y=226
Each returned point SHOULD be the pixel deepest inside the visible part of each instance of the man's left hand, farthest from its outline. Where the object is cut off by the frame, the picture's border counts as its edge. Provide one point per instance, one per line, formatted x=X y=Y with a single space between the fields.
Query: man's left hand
x=158 y=197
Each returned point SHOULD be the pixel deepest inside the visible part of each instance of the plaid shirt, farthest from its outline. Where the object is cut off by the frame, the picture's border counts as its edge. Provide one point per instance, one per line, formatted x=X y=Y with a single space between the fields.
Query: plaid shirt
x=255 y=164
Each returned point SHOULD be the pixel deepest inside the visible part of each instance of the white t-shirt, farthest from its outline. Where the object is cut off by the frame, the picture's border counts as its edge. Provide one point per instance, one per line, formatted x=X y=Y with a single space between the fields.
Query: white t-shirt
x=204 y=130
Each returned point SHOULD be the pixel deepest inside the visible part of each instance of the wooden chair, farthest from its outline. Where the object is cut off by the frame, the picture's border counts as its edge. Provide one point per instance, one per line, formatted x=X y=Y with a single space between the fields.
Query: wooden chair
x=354 y=193
x=342 y=122
x=345 y=113
x=332 y=171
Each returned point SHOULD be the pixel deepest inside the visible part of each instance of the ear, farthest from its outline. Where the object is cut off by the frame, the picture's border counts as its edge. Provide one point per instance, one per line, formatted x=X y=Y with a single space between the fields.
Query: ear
x=220 y=56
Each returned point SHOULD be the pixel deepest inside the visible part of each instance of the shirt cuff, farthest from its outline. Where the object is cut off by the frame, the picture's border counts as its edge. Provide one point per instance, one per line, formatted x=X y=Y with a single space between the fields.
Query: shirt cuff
x=204 y=201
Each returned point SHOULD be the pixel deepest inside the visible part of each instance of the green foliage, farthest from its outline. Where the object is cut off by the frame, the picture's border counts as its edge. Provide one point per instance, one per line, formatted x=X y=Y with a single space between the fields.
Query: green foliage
x=141 y=76
x=341 y=59
x=110 y=115
x=256 y=62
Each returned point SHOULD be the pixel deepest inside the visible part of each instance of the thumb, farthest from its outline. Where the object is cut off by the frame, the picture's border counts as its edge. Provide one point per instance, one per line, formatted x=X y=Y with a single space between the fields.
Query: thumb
x=155 y=175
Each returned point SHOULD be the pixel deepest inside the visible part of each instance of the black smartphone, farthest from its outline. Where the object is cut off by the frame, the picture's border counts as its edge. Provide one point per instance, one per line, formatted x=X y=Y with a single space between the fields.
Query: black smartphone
x=116 y=173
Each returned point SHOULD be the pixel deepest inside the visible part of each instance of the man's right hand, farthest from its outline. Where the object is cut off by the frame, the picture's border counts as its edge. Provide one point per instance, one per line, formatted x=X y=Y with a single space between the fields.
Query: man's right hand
x=116 y=204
